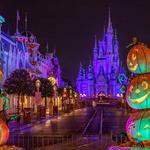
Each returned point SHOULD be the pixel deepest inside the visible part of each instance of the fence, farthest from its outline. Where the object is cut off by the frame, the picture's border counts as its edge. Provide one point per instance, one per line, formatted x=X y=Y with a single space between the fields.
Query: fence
x=47 y=142
x=57 y=142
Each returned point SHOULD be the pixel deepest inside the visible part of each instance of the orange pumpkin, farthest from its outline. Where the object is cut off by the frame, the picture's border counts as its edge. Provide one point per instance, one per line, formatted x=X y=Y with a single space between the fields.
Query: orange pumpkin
x=1 y=73
x=4 y=132
x=138 y=59
x=138 y=92
x=138 y=127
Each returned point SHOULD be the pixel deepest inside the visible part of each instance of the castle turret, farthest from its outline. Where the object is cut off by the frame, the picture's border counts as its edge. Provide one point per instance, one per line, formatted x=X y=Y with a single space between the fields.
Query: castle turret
x=90 y=74
x=90 y=82
x=81 y=79
x=81 y=74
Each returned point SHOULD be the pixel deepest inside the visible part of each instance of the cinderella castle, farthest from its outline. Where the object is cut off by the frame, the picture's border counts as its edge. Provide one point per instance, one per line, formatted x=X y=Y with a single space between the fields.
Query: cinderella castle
x=21 y=51
x=101 y=75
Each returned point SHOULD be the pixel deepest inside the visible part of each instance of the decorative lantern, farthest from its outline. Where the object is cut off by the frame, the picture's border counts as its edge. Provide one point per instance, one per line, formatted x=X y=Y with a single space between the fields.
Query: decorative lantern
x=138 y=59
x=4 y=132
x=138 y=92
x=138 y=127
x=52 y=80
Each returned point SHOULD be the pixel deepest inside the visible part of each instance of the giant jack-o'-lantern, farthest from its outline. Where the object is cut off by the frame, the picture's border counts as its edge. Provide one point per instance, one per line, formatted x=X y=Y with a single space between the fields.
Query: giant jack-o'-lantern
x=4 y=132
x=138 y=92
x=138 y=127
x=138 y=59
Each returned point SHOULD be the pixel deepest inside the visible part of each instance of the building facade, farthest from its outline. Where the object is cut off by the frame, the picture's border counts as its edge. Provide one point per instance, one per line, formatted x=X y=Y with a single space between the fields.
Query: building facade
x=101 y=75
x=21 y=51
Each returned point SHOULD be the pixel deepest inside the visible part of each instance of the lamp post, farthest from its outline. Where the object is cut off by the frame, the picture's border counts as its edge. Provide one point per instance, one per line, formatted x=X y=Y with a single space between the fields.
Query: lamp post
x=54 y=88
x=37 y=84
x=53 y=82
x=55 y=107
x=38 y=98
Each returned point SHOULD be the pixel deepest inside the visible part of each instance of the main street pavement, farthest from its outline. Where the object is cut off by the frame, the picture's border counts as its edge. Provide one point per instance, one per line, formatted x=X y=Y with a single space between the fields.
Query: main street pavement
x=73 y=124
x=69 y=123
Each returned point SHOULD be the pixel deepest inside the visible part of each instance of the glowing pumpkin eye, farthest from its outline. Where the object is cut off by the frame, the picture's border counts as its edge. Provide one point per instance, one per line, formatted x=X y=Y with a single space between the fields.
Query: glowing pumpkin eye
x=133 y=57
x=145 y=85
x=137 y=91
x=136 y=50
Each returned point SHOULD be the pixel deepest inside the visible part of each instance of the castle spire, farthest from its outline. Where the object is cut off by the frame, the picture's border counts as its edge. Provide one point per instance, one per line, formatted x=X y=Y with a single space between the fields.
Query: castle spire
x=95 y=50
x=95 y=46
x=109 y=18
x=26 y=21
x=47 y=47
x=104 y=33
x=54 y=52
x=109 y=27
x=115 y=35
x=17 y=23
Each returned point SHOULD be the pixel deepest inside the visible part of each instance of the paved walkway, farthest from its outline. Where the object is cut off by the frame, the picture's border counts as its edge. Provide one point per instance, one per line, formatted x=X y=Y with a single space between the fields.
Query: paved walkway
x=19 y=125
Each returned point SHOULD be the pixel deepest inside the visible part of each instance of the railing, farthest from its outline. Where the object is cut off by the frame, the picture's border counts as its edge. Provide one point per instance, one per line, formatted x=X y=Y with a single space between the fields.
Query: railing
x=37 y=141
x=48 y=142
x=59 y=142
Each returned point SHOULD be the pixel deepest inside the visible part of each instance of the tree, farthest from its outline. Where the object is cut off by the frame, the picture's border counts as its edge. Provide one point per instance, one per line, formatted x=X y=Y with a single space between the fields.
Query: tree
x=19 y=83
x=46 y=88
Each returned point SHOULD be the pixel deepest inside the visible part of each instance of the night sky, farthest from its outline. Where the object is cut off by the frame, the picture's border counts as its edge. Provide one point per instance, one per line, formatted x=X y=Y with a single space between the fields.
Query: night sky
x=70 y=25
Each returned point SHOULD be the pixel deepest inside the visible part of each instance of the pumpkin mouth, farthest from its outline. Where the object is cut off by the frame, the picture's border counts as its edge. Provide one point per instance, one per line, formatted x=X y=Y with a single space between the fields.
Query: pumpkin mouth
x=133 y=67
x=139 y=100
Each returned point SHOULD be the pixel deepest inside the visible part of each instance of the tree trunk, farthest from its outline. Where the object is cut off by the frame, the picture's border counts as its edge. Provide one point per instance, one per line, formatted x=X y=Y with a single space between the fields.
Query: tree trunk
x=45 y=102
x=18 y=104
x=22 y=101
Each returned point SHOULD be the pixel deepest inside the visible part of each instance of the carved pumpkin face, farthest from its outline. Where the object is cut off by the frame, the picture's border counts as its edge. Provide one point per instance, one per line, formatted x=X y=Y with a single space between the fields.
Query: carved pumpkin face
x=138 y=59
x=138 y=126
x=138 y=92
x=4 y=132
